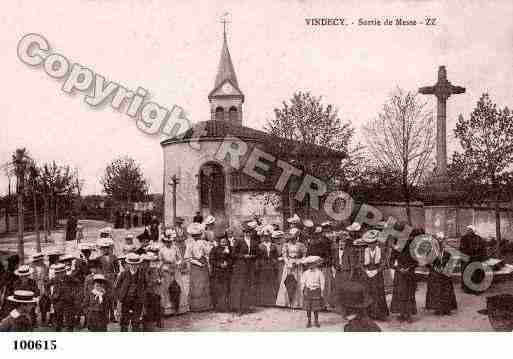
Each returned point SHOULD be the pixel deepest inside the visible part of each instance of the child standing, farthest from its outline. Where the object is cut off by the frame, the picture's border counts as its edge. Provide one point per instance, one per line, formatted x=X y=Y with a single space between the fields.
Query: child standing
x=96 y=305
x=312 y=285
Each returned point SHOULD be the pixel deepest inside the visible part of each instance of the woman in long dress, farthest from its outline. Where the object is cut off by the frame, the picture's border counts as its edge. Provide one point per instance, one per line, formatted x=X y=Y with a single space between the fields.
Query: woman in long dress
x=373 y=266
x=293 y=253
x=221 y=262
x=440 y=295
x=172 y=264
x=197 y=254
x=267 y=270
x=405 y=285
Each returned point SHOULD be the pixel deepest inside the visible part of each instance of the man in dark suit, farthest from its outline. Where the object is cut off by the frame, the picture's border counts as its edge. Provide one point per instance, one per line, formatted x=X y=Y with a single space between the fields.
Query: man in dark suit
x=474 y=247
x=131 y=290
x=245 y=251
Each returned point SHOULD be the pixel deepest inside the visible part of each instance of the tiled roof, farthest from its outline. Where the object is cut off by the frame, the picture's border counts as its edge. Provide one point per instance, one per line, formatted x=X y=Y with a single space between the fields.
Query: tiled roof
x=219 y=129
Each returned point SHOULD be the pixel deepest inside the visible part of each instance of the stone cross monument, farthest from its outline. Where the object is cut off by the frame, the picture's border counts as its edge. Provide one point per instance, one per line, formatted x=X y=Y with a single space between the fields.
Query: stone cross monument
x=440 y=212
x=442 y=90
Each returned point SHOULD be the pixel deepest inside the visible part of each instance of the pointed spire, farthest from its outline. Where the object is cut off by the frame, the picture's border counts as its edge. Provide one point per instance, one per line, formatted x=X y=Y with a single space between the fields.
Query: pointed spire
x=225 y=70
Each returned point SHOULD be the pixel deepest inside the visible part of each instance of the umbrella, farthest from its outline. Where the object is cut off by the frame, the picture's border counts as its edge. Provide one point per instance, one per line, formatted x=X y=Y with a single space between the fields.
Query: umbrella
x=291 y=286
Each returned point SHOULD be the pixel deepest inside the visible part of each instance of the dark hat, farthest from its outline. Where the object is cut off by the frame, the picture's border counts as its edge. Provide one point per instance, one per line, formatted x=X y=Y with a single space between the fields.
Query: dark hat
x=354 y=295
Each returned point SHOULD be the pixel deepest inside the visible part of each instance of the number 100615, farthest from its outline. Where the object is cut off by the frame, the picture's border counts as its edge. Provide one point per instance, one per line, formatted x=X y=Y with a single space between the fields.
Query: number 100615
x=35 y=345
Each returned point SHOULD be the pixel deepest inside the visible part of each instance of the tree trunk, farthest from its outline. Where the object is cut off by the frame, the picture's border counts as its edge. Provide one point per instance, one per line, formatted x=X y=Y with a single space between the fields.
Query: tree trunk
x=8 y=208
x=21 y=246
x=45 y=218
x=36 y=223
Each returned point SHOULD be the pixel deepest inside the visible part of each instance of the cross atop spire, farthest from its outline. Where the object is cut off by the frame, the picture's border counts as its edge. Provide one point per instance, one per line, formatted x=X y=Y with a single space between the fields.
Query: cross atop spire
x=224 y=21
x=225 y=70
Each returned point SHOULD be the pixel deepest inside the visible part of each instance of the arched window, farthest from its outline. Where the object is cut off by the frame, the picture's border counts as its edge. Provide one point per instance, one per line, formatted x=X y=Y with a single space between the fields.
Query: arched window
x=233 y=113
x=219 y=113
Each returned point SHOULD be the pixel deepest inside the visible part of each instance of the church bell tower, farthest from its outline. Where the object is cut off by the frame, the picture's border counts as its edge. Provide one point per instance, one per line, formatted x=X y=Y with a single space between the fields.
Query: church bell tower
x=226 y=98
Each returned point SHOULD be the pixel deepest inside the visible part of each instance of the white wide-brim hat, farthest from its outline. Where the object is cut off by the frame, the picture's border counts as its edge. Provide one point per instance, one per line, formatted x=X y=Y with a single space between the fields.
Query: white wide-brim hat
x=22 y=296
x=370 y=236
x=294 y=219
x=133 y=258
x=308 y=223
x=99 y=278
x=195 y=229
x=355 y=227
x=311 y=260
x=277 y=234
x=24 y=271
x=210 y=219
x=58 y=268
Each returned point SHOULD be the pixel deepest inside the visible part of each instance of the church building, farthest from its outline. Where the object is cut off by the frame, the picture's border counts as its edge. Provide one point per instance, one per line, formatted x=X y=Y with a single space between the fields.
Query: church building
x=210 y=180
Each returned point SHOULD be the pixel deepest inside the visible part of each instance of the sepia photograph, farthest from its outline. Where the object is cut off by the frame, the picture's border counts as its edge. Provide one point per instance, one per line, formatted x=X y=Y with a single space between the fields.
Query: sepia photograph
x=273 y=166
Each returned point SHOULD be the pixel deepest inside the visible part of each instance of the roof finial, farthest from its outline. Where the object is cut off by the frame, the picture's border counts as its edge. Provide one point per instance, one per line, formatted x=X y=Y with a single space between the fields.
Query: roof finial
x=224 y=21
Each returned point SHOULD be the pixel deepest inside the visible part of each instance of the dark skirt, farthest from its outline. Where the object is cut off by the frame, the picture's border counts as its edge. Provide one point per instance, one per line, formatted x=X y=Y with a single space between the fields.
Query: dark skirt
x=242 y=293
x=312 y=300
x=267 y=286
x=199 y=294
x=440 y=293
x=376 y=286
x=403 y=296
x=97 y=321
x=221 y=290
x=341 y=277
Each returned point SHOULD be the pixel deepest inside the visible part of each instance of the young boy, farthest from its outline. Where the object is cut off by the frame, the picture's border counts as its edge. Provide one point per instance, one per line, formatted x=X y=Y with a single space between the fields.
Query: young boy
x=96 y=305
x=152 y=312
x=20 y=318
x=312 y=285
x=41 y=277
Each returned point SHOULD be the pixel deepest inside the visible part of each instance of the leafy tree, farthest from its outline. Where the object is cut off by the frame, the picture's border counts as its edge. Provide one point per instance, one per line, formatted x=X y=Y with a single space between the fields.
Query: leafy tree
x=123 y=180
x=307 y=120
x=401 y=140
x=487 y=142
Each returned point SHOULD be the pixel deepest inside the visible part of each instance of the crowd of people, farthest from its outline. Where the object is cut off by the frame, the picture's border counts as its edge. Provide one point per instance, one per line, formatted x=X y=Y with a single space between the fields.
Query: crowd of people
x=314 y=267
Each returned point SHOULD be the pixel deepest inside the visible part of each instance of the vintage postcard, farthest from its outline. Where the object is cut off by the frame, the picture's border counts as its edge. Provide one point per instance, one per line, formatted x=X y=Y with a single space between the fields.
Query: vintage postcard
x=270 y=166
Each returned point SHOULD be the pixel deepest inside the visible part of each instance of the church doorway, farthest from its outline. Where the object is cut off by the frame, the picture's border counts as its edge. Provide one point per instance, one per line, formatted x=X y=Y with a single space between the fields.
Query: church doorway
x=212 y=183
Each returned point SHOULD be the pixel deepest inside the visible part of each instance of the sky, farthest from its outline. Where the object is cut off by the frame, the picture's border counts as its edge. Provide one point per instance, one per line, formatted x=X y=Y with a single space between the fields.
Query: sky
x=172 y=49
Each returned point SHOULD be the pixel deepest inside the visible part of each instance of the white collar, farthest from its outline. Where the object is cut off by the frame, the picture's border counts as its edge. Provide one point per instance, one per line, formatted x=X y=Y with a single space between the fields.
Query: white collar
x=15 y=314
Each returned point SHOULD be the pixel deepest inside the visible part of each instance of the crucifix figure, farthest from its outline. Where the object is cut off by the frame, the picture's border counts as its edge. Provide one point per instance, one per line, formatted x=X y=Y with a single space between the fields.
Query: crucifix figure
x=442 y=90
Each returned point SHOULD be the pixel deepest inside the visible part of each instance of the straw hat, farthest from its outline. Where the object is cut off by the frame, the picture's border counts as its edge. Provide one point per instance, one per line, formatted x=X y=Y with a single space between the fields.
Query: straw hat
x=58 y=268
x=370 y=236
x=308 y=223
x=355 y=227
x=312 y=260
x=22 y=296
x=318 y=229
x=24 y=271
x=249 y=226
x=149 y=257
x=326 y=224
x=210 y=219
x=66 y=258
x=277 y=234
x=195 y=229
x=99 y=278
x=132 y=258
x=294 y=219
